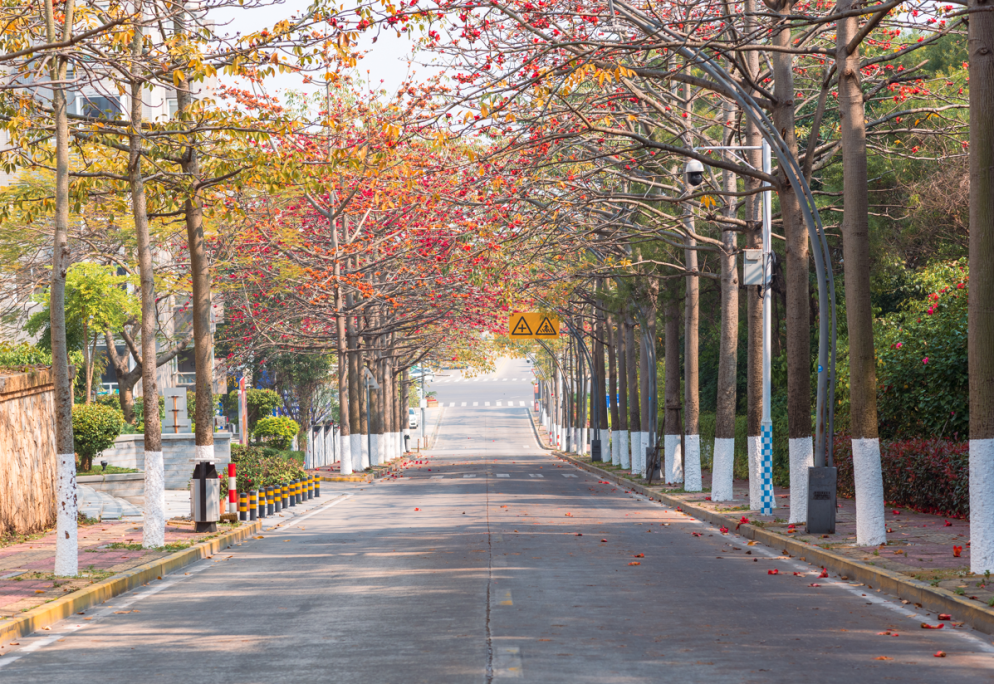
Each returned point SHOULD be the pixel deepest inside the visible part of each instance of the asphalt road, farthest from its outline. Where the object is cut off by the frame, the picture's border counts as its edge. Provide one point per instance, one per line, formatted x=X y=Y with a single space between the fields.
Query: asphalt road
x=492 y=561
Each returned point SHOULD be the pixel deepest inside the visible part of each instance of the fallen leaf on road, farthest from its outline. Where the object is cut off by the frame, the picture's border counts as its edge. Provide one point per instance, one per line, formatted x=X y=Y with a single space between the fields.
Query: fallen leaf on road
x=752 y=543
x=696 y=534
x=945 y=616
x=603 y=540
x=883 y=658
x=773 y=572
x=925 y=625
x=635 y=563
x=939 y=654
x=723 y=530
x=824 y=573
x=814 y=585
x=417 y=509
x=639 y=555
x=957 y=550
x=948 y=524
x=260 y=537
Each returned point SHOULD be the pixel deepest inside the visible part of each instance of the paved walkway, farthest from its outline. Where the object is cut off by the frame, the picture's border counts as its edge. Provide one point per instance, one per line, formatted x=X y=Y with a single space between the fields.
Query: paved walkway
x=105 y=549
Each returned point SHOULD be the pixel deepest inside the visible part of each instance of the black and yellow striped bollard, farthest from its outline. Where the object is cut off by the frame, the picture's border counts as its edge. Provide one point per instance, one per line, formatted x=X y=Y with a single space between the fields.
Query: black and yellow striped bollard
x=242 y=505
x=277 y=499
x=317 y=486
x=301 y=494
x=288 y=495
x=269 y=500
x=253 y=504
x=310 y=487
x=262 y=503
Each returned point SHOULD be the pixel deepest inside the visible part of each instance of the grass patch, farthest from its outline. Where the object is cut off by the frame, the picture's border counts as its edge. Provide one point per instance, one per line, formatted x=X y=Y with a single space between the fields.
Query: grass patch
x=111 y=470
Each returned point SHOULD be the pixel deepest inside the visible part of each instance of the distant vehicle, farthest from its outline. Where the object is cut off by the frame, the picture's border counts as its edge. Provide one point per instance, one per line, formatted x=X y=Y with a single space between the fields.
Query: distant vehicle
x=412 y=418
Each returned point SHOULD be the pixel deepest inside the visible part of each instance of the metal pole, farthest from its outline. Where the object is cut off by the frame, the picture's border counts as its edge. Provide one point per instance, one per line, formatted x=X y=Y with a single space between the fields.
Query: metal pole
x=766 y=426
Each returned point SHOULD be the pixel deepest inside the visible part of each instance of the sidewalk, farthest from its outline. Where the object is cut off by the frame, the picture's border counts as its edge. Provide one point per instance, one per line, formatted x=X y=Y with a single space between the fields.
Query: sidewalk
x=919 y=545
x=105 y=549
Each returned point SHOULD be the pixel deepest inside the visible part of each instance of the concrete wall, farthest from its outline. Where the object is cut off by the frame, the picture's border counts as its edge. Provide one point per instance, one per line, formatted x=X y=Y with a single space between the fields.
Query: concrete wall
x=177 y=455
x=127 y=486
x=27 y=452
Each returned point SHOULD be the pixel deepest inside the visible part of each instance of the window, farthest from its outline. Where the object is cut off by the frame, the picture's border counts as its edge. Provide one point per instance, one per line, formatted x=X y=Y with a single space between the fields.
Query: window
x=172 y=106
x=100 y=107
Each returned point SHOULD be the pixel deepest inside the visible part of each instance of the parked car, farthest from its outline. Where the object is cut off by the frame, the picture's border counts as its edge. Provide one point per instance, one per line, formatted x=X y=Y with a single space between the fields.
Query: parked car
x=412 y=418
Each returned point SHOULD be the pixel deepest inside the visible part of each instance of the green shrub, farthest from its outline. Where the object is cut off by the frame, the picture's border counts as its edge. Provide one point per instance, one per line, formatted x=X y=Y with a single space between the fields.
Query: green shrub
x=276 y=431
x=94 y=427
x=257 y=467
x=22 y=356
x=921 y=351
x=927 y=475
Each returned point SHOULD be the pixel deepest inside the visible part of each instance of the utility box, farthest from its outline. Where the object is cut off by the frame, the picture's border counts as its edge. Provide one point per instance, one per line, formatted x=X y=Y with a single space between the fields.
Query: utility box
x=205 y=497
x=595 y=451
x=752 y=267
x=821 y=500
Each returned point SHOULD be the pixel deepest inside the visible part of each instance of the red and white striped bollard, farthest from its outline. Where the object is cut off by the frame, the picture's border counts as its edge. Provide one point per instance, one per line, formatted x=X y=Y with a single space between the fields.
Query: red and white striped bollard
x=232 y=491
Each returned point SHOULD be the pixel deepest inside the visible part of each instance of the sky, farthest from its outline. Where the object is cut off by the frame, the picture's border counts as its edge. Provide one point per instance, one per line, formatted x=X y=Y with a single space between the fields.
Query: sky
x=386 y=59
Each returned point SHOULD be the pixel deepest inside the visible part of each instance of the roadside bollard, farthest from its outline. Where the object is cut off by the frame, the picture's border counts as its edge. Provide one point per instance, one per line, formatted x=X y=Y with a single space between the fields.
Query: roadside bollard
x=243 y=506
x=317 y=486
x=288 y=501
x=300 y=491
x=232 y=489
x=310 y=487
x=297 y=491
x=262 y=503
x=253 y=504
x=277 y=499
x=269 y=501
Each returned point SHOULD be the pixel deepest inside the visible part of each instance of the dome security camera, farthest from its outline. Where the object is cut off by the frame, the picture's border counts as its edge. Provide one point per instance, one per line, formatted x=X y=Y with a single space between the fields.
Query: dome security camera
x=694 y=171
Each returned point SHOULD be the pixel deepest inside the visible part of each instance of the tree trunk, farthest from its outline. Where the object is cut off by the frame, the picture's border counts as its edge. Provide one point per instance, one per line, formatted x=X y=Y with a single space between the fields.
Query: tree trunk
x=981 y=291
x=871 y=528
x=597 y=384
x=612 y=370
x=691 y=393
x=723 y=456
x=621 y=349
x=800 y=445
x=754 y=300
x=154 y=527
x=355 y=390
x=634 y=401
x=87 y=365
x=66 y=550
x=673 y=456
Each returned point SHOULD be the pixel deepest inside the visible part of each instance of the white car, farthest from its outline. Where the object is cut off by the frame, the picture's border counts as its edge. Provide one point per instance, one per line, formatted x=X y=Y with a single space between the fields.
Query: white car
x=412 y=418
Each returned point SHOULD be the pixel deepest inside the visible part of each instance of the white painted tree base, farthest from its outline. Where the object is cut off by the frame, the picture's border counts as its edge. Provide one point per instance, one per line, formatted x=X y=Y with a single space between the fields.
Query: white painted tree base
x=345 y=454
x=624 y=455
x=673 y=472
x=692 y=464
x=754 y=451
x=615 y=447
x=871 y=523
x=981 y=505
x=355 y=444
x=723 y=469
x=364 y=451
x=802 y=457
x=66 y=541
x=154 y=527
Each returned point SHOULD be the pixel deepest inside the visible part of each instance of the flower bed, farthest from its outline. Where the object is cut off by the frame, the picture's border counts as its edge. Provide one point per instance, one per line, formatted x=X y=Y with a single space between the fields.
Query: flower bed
x=927 y=475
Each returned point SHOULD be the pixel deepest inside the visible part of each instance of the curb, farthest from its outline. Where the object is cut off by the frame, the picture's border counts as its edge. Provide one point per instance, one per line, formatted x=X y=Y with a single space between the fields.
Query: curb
x=538 y=437
x=922 y=594
x=49 y=613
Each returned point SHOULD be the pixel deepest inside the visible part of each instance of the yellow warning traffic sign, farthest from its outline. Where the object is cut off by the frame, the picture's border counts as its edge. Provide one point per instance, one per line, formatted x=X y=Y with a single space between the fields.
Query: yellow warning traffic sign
x=533 y=326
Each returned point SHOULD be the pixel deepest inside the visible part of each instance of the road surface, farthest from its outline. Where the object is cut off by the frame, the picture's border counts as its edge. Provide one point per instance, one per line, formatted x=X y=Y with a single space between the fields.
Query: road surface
x=494 y=561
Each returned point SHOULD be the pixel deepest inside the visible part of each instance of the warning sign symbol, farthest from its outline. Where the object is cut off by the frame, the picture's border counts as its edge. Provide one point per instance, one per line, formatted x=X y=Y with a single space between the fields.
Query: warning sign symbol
x=545 y=328
x=521 y=328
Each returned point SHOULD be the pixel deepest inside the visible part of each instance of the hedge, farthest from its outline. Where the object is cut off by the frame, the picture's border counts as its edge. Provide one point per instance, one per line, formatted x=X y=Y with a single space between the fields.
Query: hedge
x=94 y=428
x=927 y=475
x=257 y=467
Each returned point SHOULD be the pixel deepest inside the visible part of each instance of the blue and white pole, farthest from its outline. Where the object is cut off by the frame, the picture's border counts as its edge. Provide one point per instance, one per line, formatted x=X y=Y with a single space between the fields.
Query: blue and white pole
x=766 y=426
